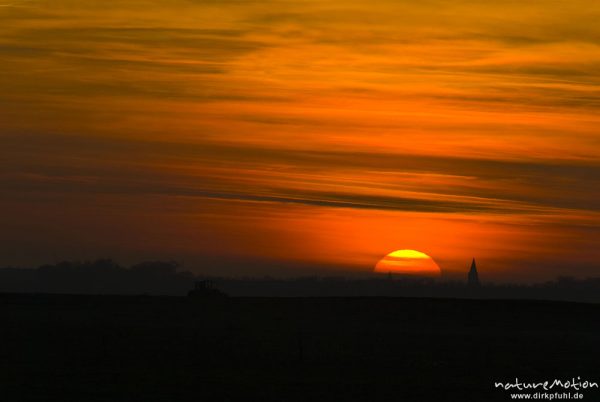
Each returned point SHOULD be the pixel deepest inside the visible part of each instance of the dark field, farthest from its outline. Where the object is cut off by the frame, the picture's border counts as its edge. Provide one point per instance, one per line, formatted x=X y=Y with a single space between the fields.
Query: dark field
x=107 y=348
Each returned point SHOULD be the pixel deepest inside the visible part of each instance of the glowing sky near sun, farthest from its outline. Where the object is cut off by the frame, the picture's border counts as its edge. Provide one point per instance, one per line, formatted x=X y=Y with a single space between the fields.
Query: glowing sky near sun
x=252 y=137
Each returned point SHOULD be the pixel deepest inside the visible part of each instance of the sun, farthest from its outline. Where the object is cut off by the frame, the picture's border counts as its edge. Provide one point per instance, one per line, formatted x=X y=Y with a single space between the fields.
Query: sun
x=408 y=262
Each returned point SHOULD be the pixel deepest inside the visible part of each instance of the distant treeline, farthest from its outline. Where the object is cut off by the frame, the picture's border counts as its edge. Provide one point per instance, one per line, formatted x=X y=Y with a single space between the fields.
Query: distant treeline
x=563 y=288
x=98 y=277
x=167 y=278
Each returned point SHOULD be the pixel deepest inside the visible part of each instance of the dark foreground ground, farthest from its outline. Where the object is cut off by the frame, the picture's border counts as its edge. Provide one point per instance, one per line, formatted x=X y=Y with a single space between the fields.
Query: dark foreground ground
x=107 y=348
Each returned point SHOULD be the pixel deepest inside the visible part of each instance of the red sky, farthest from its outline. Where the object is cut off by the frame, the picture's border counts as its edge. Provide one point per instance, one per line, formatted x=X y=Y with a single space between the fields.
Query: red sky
x=292 y=138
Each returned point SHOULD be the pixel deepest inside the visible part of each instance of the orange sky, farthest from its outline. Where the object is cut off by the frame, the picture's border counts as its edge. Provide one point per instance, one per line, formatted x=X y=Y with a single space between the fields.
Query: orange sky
x=292 y=138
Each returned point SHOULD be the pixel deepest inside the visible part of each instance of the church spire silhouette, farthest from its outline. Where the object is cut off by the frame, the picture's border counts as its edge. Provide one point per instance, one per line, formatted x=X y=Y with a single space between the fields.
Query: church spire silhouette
x=473 y=278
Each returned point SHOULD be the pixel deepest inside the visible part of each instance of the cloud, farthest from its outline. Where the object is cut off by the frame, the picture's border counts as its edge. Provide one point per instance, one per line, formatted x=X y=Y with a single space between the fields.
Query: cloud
x=392 y=107
x=292 y=176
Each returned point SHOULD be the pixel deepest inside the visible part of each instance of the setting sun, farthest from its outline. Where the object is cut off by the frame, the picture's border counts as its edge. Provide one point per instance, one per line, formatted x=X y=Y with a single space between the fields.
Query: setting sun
x=408 y=262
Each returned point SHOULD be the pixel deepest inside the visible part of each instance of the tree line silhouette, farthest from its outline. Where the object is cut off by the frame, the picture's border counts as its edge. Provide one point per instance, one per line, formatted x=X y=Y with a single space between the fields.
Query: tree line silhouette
x=105 y=276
